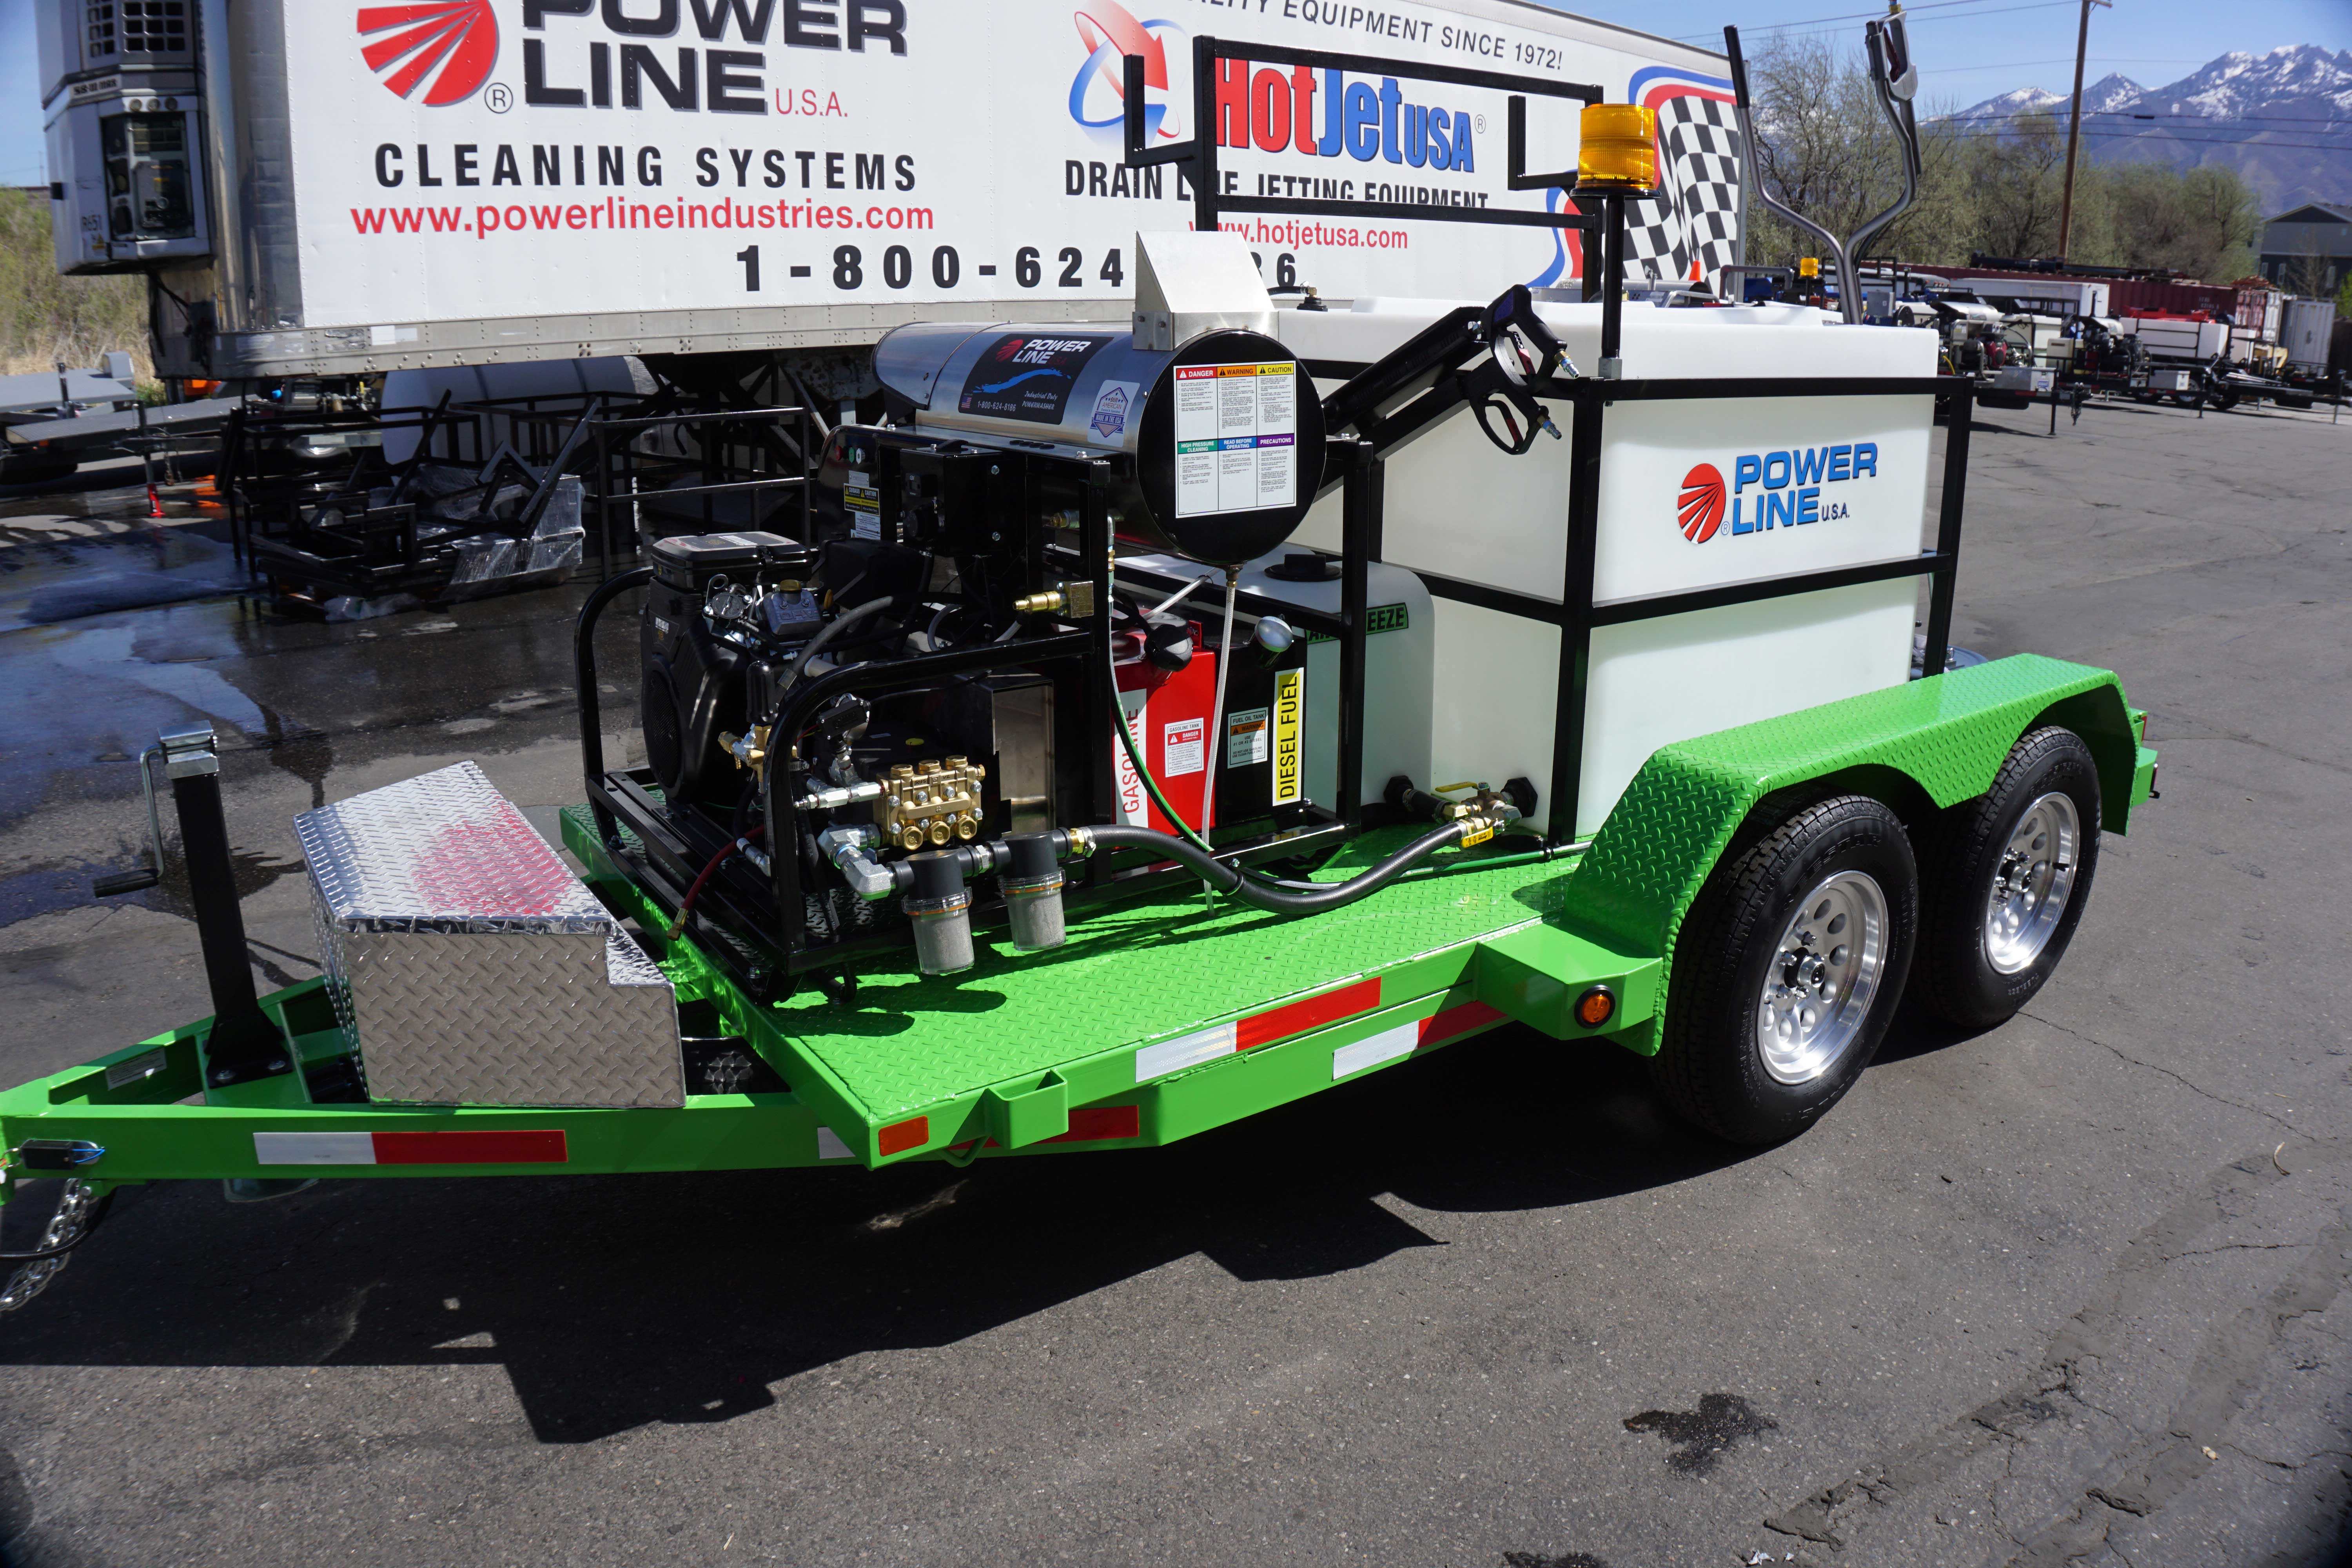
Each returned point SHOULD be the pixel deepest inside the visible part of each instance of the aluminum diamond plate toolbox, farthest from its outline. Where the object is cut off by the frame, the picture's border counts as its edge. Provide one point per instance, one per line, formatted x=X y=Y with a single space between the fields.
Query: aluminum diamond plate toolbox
x=470 y=966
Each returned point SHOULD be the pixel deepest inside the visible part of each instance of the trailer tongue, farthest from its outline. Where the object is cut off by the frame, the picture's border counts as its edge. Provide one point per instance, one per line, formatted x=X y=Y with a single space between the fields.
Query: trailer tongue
x=1084 y=780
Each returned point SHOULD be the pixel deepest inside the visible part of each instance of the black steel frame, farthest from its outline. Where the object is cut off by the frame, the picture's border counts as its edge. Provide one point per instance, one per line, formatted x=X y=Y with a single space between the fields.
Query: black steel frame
x=1575 y=612
x=756 y=924
x=611 y=439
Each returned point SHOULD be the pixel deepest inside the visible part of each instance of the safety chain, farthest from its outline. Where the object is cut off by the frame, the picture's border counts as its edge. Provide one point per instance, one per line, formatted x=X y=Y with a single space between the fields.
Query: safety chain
x=78 y=1210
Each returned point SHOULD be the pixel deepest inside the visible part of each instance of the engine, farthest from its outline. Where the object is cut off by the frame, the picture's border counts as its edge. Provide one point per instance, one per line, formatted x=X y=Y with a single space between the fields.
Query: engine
x=924 y=699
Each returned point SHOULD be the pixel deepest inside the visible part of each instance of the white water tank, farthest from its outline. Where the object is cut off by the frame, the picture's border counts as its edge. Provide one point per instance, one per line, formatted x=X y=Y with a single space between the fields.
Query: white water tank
x=1458 y=507
x=2179 y=337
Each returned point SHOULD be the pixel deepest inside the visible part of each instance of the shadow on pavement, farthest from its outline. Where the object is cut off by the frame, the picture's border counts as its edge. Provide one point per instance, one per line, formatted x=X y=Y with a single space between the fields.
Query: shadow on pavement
x=616 y=1302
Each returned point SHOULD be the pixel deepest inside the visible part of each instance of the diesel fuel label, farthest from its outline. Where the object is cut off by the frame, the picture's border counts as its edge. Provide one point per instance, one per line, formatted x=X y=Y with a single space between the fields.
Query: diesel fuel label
x=1236 y=436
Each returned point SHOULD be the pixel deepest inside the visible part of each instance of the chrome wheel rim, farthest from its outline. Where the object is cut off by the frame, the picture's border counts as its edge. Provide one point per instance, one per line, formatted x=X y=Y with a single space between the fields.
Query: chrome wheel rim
x=1825 y=974
x=2032 y=883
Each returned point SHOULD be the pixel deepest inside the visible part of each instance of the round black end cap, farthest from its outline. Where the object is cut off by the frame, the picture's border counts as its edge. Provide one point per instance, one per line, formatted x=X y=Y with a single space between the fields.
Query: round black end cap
x=938 y=874
x=1031 y=855
x=1305 y=566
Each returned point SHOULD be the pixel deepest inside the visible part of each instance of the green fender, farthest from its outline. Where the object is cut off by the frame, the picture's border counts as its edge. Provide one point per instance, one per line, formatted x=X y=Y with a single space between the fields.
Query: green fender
x=1942 y=739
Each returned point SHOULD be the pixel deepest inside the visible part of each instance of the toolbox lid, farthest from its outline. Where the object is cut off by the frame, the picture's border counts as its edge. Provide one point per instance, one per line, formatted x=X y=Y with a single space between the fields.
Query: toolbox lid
x=441 y=852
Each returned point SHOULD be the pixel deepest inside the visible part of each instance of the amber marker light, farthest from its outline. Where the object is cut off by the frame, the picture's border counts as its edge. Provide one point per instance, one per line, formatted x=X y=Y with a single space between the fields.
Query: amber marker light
x=1617 y=151
x=1596 y=1006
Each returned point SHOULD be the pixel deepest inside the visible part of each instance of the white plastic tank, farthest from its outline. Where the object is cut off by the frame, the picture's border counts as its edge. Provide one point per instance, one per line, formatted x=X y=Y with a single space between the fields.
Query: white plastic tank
x=2165 y=338
x=1806 y=484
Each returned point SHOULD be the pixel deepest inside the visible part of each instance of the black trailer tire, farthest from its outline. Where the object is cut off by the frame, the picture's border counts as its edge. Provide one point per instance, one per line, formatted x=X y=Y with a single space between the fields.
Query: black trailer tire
x=1990 y=936
x=1788 y=971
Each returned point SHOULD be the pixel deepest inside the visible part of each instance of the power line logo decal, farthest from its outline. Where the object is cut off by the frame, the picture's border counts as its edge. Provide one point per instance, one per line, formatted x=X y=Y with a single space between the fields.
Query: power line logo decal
x=1701 y=510
x=453 y=42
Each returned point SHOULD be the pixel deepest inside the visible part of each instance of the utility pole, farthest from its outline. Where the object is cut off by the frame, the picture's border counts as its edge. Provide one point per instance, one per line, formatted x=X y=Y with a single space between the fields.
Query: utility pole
x=2074 y=130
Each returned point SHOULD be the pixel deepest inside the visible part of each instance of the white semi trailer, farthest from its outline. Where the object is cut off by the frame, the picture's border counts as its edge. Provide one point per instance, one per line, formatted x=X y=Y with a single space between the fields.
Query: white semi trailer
x=337 y=189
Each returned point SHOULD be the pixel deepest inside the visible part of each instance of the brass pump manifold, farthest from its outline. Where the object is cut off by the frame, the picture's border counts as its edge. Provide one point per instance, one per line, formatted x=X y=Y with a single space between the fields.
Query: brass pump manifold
x=932 y=804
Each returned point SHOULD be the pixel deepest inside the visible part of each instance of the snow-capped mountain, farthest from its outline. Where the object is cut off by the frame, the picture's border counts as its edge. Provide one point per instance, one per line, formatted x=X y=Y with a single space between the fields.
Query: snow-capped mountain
x=2282 y=120
x=2101 y=97
x=2024 y=101
x=2110 y=93
x=2241 y=84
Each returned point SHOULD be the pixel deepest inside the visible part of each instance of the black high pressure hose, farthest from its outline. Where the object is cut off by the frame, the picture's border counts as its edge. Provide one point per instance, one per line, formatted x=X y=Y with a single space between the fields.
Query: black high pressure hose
x=832 y=630
x=1281 y=900
x=1201 y=848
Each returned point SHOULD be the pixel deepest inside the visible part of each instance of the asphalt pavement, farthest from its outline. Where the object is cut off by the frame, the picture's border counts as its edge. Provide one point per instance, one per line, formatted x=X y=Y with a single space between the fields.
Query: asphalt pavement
x=2070 y=1291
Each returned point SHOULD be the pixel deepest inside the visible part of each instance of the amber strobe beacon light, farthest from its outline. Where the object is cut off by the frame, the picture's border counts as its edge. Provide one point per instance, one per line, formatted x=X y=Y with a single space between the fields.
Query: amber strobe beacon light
x=1619 y=149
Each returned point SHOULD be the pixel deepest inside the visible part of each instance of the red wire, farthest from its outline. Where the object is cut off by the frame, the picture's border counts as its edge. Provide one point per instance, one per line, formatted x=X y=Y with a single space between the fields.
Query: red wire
x=677 y=927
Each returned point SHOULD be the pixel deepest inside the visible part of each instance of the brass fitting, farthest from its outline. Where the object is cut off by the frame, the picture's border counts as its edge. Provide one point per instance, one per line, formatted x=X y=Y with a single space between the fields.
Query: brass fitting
x=1479 y=826
x=748 y=751
x=1071 y=598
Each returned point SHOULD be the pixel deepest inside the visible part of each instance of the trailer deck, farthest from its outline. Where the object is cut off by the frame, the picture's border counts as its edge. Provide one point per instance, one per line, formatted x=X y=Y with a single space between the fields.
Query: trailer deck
x=1159 y=1019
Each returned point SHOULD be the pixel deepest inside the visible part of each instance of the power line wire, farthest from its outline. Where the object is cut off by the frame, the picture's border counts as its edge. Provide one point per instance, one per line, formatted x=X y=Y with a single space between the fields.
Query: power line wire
x=2318 y=123
x=2060 y=61
x=1849 y=17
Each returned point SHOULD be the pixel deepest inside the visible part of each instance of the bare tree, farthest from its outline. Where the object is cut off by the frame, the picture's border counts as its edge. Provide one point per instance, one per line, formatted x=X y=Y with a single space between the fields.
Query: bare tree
x=2310 y=276
x=1828 y=153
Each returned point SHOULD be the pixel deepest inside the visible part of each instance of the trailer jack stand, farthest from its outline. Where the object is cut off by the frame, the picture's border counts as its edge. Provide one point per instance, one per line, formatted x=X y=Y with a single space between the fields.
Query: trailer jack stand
x=242 y=1044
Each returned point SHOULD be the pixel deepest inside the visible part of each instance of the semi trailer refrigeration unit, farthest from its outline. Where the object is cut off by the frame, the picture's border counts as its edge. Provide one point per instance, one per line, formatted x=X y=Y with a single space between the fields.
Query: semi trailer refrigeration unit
x=346 y=189
x=1177 y=713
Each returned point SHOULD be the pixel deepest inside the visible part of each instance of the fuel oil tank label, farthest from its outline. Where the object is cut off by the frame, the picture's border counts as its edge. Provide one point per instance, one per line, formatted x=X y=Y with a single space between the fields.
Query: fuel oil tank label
x=1236 y=437
x=1246 y=737
x=1027 y=378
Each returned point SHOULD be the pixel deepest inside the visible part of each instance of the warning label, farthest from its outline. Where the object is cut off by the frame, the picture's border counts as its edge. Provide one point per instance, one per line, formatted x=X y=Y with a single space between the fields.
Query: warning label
x=1246 y=737
x=1183 y=747
x=1236 y=437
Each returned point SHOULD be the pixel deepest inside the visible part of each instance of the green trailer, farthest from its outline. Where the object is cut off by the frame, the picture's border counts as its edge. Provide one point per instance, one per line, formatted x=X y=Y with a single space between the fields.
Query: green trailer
x=1168 y=1017
x=962 y=836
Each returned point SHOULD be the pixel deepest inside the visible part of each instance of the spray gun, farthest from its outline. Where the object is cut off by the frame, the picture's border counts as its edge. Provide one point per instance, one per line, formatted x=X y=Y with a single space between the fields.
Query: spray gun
x=1520 y=350
x=1894 y=82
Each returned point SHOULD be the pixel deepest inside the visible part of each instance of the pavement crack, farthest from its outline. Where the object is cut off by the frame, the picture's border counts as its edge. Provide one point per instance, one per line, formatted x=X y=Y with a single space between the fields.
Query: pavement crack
x=2188 y=1083
x=2223 y=733
x=2239 y=1246
x=1833 y=1516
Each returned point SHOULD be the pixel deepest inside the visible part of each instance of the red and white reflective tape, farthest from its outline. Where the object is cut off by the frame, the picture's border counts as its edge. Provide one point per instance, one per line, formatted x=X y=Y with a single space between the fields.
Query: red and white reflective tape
x=1240 y=1034
x=1406 y=1038
x=466 y=1148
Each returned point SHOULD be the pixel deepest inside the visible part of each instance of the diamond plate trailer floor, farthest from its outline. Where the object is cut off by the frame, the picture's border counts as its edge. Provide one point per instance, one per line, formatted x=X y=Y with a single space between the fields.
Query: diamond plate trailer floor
x=1158 y=1020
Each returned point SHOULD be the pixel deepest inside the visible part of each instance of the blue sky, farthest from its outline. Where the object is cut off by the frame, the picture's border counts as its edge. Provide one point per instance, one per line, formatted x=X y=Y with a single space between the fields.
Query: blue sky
x=1974 y=50
x=1969 y=50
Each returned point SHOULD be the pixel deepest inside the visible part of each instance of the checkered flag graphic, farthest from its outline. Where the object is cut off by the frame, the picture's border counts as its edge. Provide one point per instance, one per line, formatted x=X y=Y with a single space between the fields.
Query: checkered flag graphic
x=1695 y=213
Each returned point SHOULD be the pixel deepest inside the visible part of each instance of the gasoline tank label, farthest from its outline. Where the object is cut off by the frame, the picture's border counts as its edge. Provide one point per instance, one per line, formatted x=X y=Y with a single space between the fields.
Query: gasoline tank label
x=1027 y=378
x=1236 y=437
